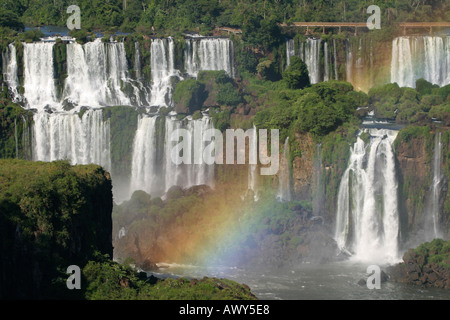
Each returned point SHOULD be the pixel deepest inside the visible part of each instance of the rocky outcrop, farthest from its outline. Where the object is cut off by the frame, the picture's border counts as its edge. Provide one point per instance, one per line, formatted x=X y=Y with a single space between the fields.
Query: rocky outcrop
x=426 y=266
x=414 y=172
x=302 y=167
x=414 y=149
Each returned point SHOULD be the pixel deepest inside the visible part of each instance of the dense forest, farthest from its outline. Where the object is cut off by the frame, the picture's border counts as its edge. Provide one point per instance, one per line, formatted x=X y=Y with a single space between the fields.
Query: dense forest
x=205 y=15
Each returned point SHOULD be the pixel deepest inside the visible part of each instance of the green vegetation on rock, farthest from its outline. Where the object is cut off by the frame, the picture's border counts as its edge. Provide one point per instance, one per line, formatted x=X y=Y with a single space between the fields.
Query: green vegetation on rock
x=52 y=215
x=428 y=265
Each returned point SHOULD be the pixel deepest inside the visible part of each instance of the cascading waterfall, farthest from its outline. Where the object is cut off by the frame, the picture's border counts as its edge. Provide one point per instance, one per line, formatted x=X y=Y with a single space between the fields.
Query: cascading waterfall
x=319 y=192
x=348 y=62
x=10 y=72
x=39 y=83
x=434 y=231
x=290 y=50
x=426 y=57
x=312 y=59
x=144 y=172
x=401 y=63
x=209 y=54
x=253 y=168
x=326 y=75
x=80 y=139
x=137 y=61
x=284 y=178
x=367 y=217
x=97 y=73
x=335 y=60
x=412 y=58
x=310 y=53
x=162 y=71
x=156 y=173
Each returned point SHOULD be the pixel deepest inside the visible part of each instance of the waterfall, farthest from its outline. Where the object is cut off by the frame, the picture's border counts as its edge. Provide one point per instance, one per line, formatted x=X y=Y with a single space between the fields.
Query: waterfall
x=312 y=59
x=137 y=61
x=209 y=54
x=348 y=62
x=318 y=193
x=80 y=139
x=144 y=172
x=290 y=50
x=39 y=84
x=253 y=168
x=26 y=139
x=335 y=60
x=367 y=217
x=162 y=69
x=97 y=73
x=326 y=75
x=10 y=72
x=156 y=173
x=309 y=53
x=426 y=57
x=401 y=63
x=433 y=207
x=284 y=178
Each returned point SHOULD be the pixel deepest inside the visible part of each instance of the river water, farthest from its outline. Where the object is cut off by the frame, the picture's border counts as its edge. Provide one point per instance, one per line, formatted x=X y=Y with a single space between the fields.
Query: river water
x=333 y=281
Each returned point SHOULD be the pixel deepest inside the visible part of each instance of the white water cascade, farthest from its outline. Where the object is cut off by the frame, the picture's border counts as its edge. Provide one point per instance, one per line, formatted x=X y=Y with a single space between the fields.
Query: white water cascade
x=326 y=75
x=310 y=52
x=284 y=178
x=335 y=60
x=426 y=57
x=10 y=74
x=209 y=54
x=367 y=217
x=162 y=69
x=154 y=170
x=96 y=74
x=312 y=59
x=433 y=209
x=80 y=139
x=290 y=50
x=253 y=168
x=39 y=83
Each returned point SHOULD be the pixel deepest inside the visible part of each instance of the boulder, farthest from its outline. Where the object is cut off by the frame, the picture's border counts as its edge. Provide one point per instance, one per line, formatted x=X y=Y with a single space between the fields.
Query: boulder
x=362 y=282
x=174 y=192
x=148 y=265
x=199 y=190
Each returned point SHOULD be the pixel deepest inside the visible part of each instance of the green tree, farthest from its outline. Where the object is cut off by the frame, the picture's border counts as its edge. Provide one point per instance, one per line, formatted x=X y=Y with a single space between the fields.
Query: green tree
x=296 y=75
x=11 y=20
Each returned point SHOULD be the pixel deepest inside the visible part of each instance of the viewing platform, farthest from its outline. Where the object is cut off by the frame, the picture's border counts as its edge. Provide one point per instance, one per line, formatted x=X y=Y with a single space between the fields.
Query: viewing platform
x=356 y=25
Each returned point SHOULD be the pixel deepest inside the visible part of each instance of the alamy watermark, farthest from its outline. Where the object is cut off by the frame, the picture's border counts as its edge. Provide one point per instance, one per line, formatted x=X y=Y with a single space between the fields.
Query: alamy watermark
x=374 y=21
x=74 y=21
x=74 y=281
x=374 y=280
x=208 y=148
